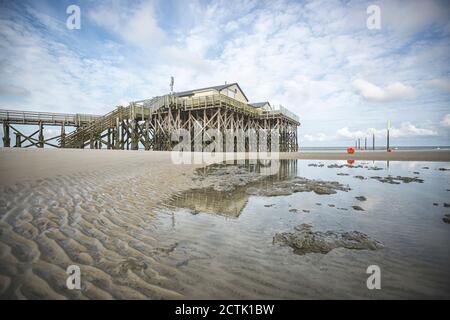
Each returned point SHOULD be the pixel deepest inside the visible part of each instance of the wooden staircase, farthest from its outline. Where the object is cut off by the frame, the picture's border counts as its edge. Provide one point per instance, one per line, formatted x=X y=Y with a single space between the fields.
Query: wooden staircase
x=94 y=131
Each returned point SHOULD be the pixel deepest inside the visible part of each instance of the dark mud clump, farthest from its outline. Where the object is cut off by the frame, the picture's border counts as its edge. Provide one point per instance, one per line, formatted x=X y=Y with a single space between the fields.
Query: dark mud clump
x=375 y=168
x=303 y=240
x=351 y=166
x=397 y=180
x=359 y=177
x=299 y=184
x=320 y=165
x=446 y=205
x=131 y=264
x=357 y=208
x=446 y=218
x=340 y=166
x=225 y=178
x=361 y=198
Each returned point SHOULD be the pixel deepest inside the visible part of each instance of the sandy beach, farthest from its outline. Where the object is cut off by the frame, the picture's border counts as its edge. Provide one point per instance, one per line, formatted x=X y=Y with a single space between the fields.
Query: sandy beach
x=97 y=209
x=63 y=207
x=18 y=165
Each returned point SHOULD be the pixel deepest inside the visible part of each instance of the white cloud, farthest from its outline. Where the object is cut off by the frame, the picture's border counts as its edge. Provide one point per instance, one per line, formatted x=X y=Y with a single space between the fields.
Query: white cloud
x=348 y=134
x=135 y=25
x=303 y=55
x=446 y=120
x=394 y=91
x=318 y=137
x=405 y=130
x=415 y=15
x=13 y=91
x=441 y=84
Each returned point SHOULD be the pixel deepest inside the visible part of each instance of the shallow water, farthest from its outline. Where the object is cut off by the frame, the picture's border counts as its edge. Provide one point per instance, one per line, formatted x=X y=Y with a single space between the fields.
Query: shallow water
x=223 y=242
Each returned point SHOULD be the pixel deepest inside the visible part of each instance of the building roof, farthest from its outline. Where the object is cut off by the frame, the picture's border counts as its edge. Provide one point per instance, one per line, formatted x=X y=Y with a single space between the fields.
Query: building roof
x=218 y=88
x=259 y=104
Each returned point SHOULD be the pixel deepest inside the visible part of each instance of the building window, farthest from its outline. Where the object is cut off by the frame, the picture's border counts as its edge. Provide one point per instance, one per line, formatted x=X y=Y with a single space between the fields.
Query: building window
x=231 y=93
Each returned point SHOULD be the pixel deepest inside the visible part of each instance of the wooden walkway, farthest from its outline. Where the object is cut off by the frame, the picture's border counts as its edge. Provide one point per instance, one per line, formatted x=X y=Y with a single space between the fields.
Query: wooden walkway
x=45 y=118
x=40 y=119
x=149 y=123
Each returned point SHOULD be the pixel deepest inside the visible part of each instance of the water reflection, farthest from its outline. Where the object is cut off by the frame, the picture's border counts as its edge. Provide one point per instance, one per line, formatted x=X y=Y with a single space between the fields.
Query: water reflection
x=231 y=203
x=406 y=217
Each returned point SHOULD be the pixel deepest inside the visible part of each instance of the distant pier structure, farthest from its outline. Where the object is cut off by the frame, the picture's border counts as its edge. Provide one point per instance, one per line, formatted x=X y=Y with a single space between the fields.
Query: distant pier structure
x=148 y=124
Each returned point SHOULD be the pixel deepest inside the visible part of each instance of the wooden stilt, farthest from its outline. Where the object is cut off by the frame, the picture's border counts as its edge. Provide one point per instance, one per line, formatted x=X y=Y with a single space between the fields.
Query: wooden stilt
x=6 y=138
x=134 y=135
x=18 y=140
x=63 y=137
x=41 y=135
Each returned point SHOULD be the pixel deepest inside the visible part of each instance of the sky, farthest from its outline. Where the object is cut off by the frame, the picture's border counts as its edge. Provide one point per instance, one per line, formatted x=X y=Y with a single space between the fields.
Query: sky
x=317 y=58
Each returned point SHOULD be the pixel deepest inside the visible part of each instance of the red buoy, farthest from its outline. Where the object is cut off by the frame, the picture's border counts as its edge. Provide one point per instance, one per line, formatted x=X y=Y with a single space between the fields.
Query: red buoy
x=350 y=150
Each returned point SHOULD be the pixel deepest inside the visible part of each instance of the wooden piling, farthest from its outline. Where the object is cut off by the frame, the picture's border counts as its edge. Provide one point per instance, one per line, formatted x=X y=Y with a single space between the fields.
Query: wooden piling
x=63 y=136
x=6 y=138
x=18 y=140
x=41 y=135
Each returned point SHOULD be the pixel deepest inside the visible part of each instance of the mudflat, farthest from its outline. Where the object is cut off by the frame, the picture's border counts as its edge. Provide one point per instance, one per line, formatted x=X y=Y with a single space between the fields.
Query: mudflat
x=110 y=212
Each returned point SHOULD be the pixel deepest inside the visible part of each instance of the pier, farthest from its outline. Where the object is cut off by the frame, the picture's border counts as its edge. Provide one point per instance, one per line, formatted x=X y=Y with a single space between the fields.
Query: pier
x=11 y=118
x=148 y=124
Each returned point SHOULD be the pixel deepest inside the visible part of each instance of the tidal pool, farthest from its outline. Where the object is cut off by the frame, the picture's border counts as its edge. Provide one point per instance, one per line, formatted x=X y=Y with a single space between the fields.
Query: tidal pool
x=224 y=245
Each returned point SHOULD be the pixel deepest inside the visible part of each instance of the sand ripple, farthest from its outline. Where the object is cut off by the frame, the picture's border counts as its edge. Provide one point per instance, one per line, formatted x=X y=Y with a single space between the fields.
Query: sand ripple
x=102 y=221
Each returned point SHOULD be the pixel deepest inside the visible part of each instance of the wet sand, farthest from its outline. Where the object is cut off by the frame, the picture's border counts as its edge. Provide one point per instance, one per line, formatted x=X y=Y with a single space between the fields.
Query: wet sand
x=92 y=208
x=396 y=155
x=98 y=209
x=29 y=164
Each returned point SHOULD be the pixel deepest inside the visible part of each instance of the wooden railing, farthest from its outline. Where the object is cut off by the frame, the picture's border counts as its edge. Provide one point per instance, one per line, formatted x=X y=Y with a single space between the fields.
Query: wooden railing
x=211 y=100
x=48 y=118
x=138 y=109
x=154 y=104
x=283 y=111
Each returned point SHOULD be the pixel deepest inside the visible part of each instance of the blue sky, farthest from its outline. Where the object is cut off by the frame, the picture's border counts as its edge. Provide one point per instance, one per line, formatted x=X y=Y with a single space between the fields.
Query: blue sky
x=317 y=58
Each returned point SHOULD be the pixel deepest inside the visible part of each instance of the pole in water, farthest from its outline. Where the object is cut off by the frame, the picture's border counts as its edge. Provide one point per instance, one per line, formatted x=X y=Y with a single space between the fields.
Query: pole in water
x=373 y=141
x=388 y=139
x=365 y=143
x=388 y=127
